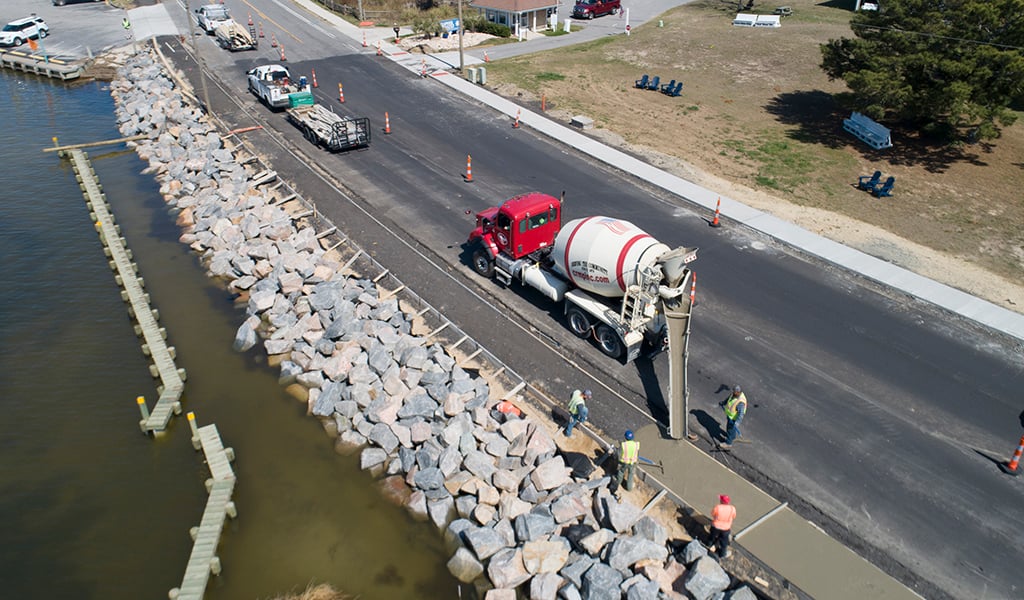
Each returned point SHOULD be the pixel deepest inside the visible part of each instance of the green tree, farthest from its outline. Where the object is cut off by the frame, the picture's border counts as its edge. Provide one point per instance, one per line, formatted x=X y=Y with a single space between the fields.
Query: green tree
x=946 y=66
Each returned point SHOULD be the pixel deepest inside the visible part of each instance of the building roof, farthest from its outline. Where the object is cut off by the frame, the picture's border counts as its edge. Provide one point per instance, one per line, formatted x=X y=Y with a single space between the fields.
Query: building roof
x=515 y=5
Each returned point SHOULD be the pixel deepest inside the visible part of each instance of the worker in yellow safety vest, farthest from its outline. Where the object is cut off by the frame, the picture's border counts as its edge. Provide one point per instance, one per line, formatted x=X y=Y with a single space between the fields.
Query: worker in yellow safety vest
x=629 y=454
x=578 y=410
x=735 y=406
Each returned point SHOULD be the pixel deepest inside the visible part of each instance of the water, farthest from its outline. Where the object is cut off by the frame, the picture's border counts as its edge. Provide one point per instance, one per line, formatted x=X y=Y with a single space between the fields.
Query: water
x=91 y=507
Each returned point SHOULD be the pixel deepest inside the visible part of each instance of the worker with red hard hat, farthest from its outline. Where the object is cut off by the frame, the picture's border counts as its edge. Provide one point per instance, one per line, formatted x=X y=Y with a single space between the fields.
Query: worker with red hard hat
x=722 y=517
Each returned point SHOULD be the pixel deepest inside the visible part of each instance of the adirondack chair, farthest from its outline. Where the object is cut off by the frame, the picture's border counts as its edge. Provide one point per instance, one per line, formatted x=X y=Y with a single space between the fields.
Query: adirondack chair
x=642 y=82
x=868 y=182
x=885 y=189
x=653 y=85
x=667 y=87
x=675 y=91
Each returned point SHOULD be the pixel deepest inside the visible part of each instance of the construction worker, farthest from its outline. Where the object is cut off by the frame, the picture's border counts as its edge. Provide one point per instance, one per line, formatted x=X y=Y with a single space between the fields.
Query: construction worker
x=735 y=406
x=578 y=410
x=629 y=454
x=722 y=517
x=505 y=410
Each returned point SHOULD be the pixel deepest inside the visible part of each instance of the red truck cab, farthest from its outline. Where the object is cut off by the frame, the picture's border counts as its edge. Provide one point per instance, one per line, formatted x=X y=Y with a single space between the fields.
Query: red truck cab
x=519 y=227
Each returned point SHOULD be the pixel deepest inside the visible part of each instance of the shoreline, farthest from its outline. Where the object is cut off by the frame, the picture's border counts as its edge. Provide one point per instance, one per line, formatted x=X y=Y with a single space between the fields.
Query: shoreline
x=500 y=492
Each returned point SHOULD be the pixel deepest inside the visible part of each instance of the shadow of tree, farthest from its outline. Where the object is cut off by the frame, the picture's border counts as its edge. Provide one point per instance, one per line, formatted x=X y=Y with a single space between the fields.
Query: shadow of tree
x=817 y=118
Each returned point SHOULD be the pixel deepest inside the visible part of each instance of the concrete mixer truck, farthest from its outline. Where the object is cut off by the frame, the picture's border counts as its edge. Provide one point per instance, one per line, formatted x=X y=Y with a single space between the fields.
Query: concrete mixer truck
x=616 y=282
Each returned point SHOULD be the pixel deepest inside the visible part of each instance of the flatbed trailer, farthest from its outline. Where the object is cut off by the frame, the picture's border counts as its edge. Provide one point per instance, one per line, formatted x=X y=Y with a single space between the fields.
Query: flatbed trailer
x=330 y=130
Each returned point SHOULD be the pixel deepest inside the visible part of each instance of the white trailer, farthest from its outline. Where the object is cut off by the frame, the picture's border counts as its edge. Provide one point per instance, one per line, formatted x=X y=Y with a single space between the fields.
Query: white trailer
x=330 y=130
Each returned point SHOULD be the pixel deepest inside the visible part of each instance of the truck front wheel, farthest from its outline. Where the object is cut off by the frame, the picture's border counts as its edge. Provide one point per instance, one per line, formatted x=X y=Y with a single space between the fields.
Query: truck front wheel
x=578 y=321
x=609 y=341
x=483 y=264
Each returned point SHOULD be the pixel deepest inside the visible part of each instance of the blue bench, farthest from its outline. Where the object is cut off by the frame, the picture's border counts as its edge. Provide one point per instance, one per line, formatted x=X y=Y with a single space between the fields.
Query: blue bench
x=674 y=90
x=867 y=131
x=642 y=82
x=653 y=85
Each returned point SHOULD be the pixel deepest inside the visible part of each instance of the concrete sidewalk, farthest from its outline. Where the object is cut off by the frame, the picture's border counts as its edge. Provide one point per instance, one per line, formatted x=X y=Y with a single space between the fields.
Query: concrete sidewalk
x=790 y=545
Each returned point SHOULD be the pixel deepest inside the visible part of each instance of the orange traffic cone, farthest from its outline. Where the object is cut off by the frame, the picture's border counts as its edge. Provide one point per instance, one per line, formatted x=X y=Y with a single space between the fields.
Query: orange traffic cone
x=314 y=78
x=543 y=103
x=718 y=209
x=1010 y=468
x=281 y=48
x=515 y=125
x=273 y=40
x=387 y=123
x=261 y=29
x=341 y=93
x=469 y=169
x=423 y=67
x=364 y=39
x=486 y=58
x=250 y=19
x=379 y=52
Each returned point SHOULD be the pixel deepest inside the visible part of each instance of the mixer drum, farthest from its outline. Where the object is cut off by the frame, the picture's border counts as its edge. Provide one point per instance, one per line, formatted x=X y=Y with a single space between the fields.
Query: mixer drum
x=601 y=255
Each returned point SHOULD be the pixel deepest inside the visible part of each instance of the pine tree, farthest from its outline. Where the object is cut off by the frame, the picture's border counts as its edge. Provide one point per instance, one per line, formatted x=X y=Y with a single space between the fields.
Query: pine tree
x=945 y=66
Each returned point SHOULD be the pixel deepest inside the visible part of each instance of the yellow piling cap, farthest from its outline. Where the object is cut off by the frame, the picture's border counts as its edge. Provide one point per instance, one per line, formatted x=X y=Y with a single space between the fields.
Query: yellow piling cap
x=191 y=416
x=140 y=399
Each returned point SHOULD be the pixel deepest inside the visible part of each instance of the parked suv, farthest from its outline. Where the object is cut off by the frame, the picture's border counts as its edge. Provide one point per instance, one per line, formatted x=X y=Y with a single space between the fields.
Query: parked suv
x=588 y=9
x=16 y=32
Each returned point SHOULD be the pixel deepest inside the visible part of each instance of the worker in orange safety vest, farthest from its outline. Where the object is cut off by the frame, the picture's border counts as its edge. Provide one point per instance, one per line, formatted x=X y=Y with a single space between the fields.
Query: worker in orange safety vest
x=629 y=454
x=722 y=517
x=503 y=410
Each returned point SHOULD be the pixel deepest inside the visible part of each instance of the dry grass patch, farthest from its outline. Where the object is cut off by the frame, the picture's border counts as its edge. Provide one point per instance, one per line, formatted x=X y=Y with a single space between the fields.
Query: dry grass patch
x=757 y=111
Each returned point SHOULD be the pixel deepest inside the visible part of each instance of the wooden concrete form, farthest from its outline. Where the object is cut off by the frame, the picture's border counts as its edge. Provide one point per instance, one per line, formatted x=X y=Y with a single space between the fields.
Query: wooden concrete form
x=155 y=345
x=38 y=64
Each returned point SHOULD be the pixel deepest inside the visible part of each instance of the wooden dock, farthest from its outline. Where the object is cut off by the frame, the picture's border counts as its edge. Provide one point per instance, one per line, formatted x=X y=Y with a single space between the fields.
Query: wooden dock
x=204 y=561
x=154 y=336
x=54 y=67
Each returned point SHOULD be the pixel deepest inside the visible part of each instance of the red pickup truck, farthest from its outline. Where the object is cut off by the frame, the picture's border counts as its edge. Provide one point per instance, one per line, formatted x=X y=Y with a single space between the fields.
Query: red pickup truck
x=588 y=9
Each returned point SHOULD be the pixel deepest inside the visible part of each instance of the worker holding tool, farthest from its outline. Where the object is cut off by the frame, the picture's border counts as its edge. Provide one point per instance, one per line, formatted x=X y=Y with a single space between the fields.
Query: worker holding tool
x=722 y=517
x=629 y=453
x=735 y=406
x=578 y=410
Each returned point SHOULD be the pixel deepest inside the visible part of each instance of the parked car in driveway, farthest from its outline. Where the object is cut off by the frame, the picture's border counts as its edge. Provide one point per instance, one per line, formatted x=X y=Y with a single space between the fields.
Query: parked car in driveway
x=30 y=28
x=588 y=9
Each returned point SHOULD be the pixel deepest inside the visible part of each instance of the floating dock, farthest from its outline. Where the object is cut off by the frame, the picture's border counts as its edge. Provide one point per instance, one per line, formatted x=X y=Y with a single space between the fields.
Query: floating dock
x=44 y=65
x=204 y=561
x=154 y=336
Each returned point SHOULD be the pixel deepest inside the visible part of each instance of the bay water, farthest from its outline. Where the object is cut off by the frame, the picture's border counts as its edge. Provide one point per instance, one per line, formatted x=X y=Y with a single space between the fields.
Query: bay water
x=91 y=507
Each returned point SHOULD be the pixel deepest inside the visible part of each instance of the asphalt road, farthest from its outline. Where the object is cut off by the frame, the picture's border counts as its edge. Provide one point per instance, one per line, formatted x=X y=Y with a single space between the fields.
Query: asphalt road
x=876 y=416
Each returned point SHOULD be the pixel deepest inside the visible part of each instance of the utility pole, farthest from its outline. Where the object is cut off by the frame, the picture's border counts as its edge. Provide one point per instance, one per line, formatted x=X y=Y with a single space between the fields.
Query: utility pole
x=199 y=59
x=462 y=61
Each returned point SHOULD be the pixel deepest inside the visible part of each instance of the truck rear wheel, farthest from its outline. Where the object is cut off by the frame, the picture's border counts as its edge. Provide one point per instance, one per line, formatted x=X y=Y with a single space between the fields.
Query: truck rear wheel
x=483 y=264
x=608 y=341
x=579 y=322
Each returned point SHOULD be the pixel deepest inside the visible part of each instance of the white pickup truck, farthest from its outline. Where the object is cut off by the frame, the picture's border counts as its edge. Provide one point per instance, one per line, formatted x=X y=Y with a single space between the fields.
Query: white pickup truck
x=210 y=17
x=272 y=84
